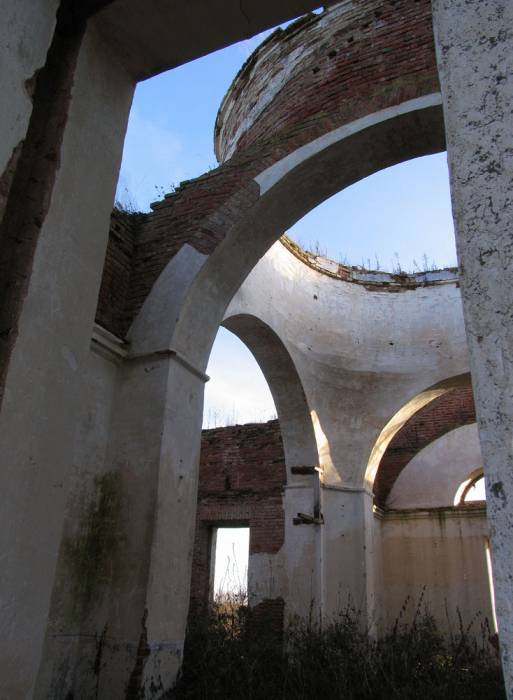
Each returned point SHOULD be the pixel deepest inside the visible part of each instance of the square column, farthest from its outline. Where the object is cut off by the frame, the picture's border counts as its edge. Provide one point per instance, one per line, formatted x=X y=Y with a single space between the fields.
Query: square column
x=474 y=42
x=42 y=398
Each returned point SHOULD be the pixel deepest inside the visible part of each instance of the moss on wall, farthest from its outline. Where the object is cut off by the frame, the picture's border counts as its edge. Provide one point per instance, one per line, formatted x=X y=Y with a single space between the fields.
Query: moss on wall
x=89 y=553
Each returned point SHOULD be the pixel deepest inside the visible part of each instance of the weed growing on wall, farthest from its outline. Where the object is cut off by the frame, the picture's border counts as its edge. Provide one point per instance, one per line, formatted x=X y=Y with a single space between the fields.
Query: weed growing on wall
x=238 y=657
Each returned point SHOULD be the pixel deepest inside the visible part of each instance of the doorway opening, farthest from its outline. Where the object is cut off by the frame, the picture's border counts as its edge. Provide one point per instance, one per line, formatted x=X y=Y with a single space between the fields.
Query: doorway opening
x=229 y=565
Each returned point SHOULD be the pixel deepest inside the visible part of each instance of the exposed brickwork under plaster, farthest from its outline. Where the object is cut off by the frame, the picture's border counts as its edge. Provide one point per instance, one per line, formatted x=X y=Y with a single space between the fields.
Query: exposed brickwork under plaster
x=26 y=187
x=330 y=69
x=241 y=480
x=29 y=184
x=383 y=56
x=117 y=270
x=450 y=411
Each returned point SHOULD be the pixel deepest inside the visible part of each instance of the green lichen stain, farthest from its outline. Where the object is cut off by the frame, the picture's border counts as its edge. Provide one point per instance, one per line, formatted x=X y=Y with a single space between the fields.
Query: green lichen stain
x=89 y=553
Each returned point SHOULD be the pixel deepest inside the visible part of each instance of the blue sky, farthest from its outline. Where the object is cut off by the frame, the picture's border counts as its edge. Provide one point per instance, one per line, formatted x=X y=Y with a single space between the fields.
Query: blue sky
x=397 y=216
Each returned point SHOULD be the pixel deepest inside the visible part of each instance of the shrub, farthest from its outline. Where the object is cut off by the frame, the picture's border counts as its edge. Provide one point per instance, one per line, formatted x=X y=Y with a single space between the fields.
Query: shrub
x=230 y=655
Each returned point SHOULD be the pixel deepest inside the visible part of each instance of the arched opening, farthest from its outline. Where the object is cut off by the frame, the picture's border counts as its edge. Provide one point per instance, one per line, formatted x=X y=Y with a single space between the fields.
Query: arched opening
x=435 y=471
x=433 y=546
x=237 y=391
x=475 y=491
x=472 y=489
x=401 y=418
x=445 y=412
x=243 y=472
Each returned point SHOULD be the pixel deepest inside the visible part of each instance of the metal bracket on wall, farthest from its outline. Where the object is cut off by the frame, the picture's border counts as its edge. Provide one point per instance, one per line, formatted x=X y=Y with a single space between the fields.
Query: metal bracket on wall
x=304 y=519
x=304 y=470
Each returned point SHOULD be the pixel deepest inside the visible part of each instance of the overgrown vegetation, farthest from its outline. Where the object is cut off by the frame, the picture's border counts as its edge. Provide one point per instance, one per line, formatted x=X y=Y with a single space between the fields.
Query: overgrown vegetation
x=232 y=655
x=395 y=266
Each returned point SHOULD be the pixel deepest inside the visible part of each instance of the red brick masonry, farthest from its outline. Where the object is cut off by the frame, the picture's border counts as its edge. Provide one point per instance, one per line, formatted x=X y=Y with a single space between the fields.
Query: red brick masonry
x=450 y=411
x=241 y=480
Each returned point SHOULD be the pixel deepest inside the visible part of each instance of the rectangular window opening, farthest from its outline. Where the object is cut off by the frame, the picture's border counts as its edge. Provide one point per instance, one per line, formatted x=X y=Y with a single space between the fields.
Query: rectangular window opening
x=229 y=565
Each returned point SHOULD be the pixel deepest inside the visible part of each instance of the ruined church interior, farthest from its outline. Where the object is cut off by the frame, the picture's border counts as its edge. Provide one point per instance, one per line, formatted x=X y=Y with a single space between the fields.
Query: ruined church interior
x=385 y=482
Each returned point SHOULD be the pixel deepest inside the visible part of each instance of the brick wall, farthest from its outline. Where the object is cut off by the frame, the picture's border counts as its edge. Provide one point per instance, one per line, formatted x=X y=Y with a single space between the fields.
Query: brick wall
x=117 y=270
x=449 y=411
x=329 y=69
x=241 y=480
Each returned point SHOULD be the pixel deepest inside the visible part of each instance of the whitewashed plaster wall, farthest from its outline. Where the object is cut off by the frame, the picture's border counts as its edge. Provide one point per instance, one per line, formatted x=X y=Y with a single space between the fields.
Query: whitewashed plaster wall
x=438 y=560
x=42 y=390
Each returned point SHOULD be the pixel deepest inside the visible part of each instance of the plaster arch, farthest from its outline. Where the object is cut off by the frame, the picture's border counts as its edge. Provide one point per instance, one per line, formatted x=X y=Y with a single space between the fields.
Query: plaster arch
x=269 y=204
x=466 y=485
x=438 y=472
x=399 y=419
x=293 y=570
x=280 y=195
x=285 y=385
x=453 y=409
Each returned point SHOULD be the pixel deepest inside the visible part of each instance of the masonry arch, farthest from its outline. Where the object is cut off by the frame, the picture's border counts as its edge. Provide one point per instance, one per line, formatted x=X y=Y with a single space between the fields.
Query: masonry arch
x=285 y=385
x=429 y=547
x=265 y=504
x=463 y=489
x=400 y=420
x=445 y=413
x=437 y=471
x=278 y=197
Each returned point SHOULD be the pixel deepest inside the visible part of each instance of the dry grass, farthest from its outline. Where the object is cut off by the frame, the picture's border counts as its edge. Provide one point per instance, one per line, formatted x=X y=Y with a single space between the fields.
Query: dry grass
x=229 y=655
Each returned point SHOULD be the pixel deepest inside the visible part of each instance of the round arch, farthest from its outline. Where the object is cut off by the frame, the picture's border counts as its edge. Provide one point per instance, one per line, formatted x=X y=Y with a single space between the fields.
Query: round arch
x=401 y=418
x=432 y=477
x=285 y=385
x=449 y=411
x=282 y=194
x=465 y=486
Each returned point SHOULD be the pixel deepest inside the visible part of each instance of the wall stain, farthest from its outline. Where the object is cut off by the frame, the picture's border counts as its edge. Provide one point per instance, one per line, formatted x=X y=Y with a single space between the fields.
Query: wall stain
x=498 y=492
x=89 y=554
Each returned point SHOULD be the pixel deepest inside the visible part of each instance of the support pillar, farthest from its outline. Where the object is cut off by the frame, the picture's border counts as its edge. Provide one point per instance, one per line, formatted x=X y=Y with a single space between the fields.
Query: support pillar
x=302 y=554
x=474 y=43
x=41 y=401
x=344 y=565
x=155 y=456
x=155 y=440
